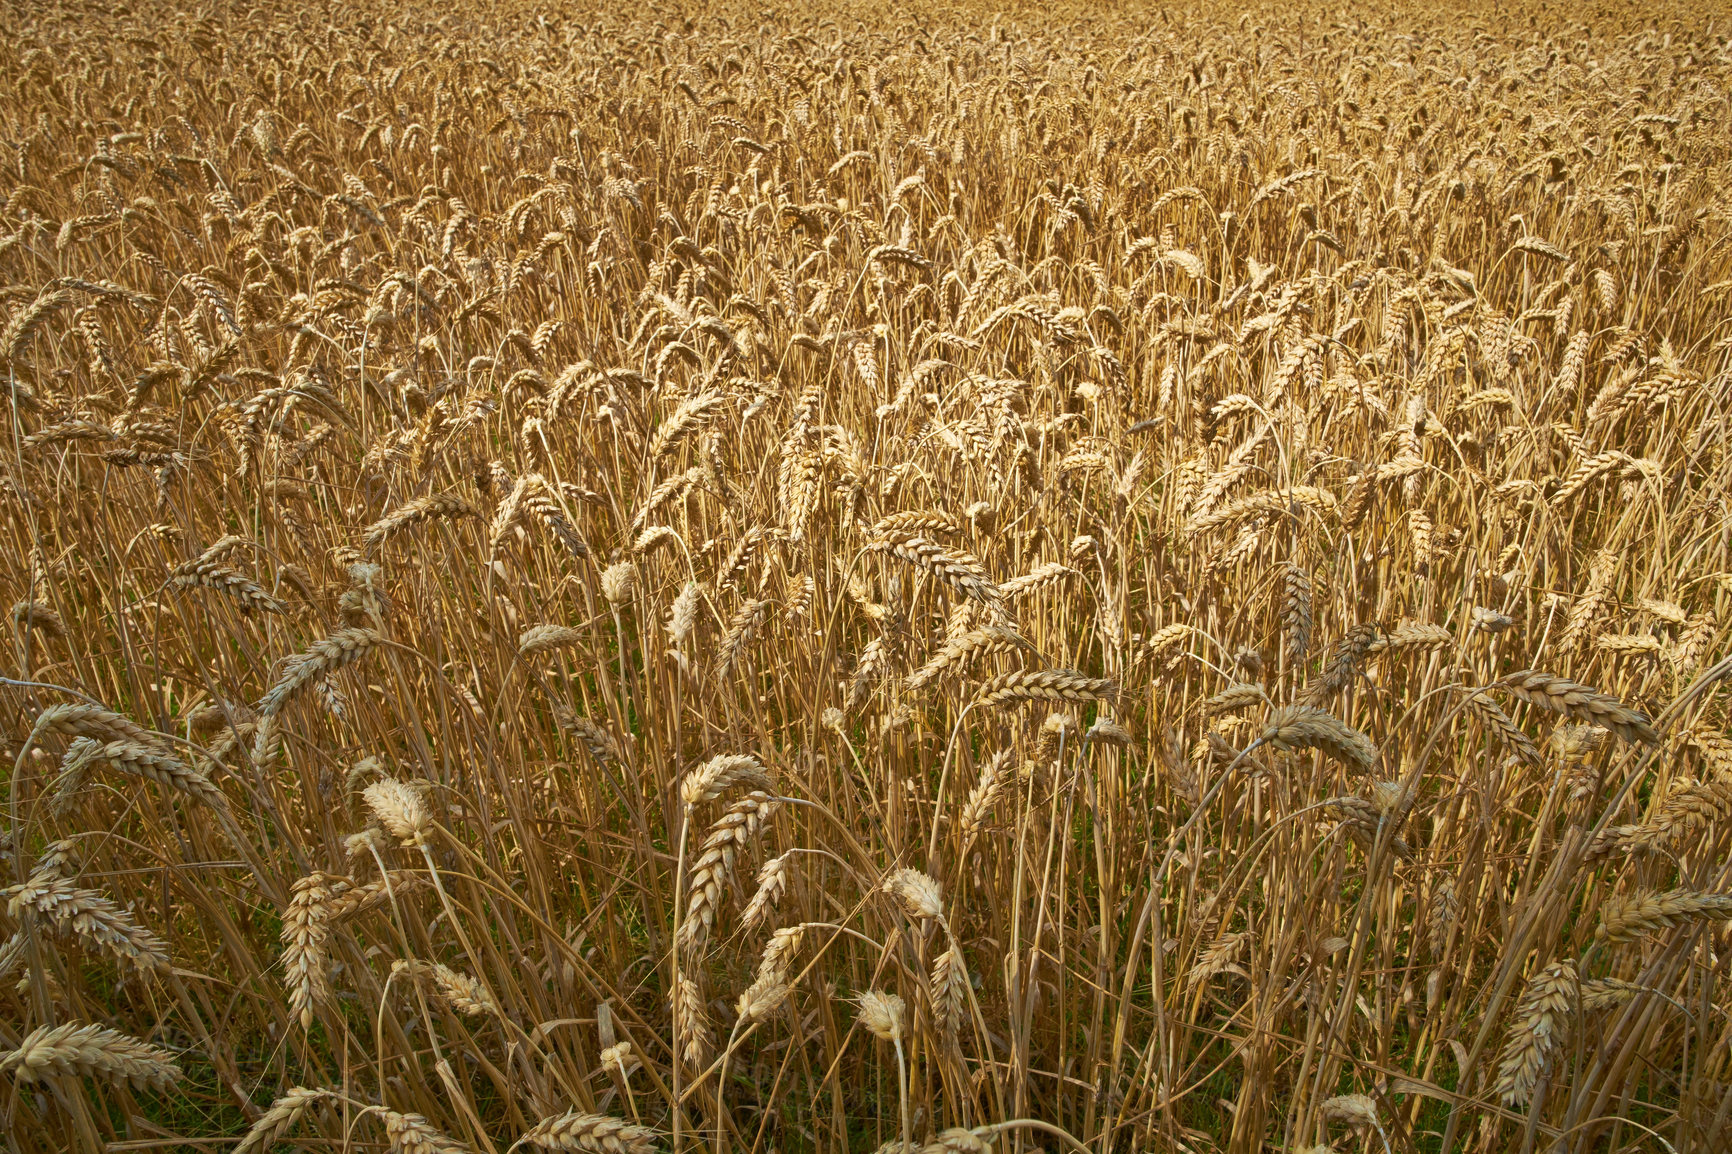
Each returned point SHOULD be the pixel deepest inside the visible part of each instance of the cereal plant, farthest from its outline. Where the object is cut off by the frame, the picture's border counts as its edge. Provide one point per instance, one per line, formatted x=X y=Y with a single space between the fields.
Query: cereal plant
x=735 y=579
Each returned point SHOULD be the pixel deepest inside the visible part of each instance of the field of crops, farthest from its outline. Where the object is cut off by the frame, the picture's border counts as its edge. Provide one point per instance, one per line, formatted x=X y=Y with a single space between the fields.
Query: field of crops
x=841 y=579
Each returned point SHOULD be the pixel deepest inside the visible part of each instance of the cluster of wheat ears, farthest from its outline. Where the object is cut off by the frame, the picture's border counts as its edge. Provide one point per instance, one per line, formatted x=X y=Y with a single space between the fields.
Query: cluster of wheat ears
x=833 y=579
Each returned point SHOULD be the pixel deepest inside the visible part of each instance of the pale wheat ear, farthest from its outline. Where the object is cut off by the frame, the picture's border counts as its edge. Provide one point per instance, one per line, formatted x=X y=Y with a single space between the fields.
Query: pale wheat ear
x=1564 y=696
x=89 y=1050
x=1304 y=727
x=590 y=1133
x=713 y=868
x=283 y=1116
x=413 y=1134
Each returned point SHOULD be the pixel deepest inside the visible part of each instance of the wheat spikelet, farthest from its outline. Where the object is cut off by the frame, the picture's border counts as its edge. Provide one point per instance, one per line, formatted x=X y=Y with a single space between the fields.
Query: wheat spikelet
x=692 y=1035
x=1604 y=993
x=149 y=762
x=1234 y=697
x=1412 y=635
x=1038 y=578
x=733 y=568
x=15 y=338
x=799 y=603
x=991 y=784
x=1537 y=1032
x=598 y=741
x=94 y=722
x=306 y=926
x=1305 y=727
x=1009 y=689
x=742 y=627
x=1220 y=957
x=1294 y=501
x=958 y=1141
x=867 y=671
x=1578 y=701
x=1489 y=621
x=401 y=809
x=345 y=901
x=1693 y=642
x=1363 y=819
x=772 y=883
x=692 y=415
x=683 y=614
x=460 y=991
x=618 y=582
x=538 y=502
x=1538 y=247
x=1667 y=611
x=1106 y=731
x=780 y=952
x=1057 y=732
x=247 y=593
x=948 y=991
x=762 y=998
x=1346 y=659
x=1353 y=1109
x=1628 y=644
x=1441 y=916
x=57 y=859
x=38 y=616
x=1684 y=811
x=654 y=538
x=82 y=754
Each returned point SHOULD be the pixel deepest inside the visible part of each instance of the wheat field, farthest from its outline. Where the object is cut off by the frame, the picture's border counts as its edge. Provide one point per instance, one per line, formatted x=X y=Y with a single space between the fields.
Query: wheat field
x=841 y=579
